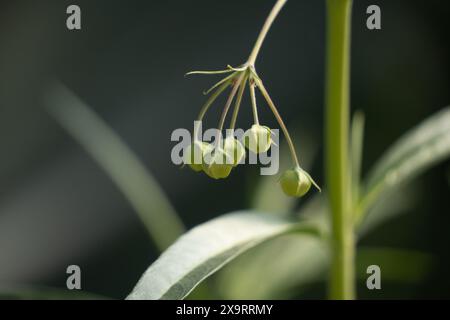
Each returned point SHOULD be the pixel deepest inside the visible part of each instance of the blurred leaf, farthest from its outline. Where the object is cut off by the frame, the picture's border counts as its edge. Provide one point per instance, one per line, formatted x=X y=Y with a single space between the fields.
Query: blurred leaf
x=273 y=269
x=205 y=249
x=416 y=151
x=301 y=260
x=396 y=264
x=357 y=139
x=399 y=201
x=284 y=263
x=119 y=162
x=288 y=264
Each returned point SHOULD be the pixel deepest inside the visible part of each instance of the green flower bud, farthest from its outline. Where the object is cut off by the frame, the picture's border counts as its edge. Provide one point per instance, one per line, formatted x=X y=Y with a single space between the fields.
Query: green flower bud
x=234 y=149
x=217 y=163
x=258 y=138
x=193 y=155
x=295 y=182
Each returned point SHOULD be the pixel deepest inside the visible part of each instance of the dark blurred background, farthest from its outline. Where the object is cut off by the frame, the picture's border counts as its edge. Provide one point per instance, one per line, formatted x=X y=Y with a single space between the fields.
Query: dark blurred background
x=58 y=207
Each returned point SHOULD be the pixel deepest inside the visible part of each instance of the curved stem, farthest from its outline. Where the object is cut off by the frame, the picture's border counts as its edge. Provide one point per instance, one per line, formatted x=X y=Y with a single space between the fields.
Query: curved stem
x=229 y=101
x=237 y=105
x=342 y=277
x=265 y=29
x=280 y=121
x=253 y=98
x=208 y=103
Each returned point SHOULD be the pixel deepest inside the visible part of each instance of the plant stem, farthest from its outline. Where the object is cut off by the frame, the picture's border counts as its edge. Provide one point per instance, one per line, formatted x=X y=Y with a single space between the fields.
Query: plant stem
x=208 y=103
x=280 y=121
x=230 y=100
x=253 y=98
x=265 y=29
x=238 y=102
x=342 y=282
x=251 y=63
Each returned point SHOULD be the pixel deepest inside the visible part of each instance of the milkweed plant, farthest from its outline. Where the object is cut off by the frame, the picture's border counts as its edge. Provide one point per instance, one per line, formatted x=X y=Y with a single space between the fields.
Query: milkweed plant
x=218 y=161
x=333 y=218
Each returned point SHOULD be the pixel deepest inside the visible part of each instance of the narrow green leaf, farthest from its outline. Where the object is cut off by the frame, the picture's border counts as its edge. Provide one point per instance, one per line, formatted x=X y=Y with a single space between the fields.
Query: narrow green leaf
x=432 y=138
x=205 y=249
x=291 y=262
x=401 y=200
x=357 y=137
x=272 y=270
x=284 y=263
x=416 y=151
x=121 y=164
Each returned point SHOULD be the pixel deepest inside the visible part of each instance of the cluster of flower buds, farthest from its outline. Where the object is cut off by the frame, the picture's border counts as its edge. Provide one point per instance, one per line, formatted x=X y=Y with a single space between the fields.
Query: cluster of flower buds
x=219 y=159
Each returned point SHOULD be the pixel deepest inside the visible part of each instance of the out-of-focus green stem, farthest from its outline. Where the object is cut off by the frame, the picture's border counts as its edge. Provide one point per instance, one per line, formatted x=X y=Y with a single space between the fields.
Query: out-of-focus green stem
x=342 y=278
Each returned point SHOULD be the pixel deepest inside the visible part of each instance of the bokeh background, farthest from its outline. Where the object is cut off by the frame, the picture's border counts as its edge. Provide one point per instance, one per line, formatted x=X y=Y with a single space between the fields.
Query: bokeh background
x=59 y=207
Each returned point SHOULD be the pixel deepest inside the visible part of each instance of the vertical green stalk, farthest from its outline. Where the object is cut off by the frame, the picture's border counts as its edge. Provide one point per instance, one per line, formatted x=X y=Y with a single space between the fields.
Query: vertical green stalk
x=342 y=281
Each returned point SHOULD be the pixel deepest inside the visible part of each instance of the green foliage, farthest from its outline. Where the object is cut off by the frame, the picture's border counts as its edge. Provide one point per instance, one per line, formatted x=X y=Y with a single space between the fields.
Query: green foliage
x=416 y=151
x=337 y=217
x=289 y=262
x=286 y=254
x=206 y=248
